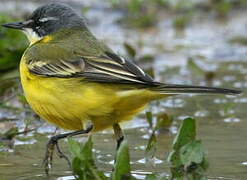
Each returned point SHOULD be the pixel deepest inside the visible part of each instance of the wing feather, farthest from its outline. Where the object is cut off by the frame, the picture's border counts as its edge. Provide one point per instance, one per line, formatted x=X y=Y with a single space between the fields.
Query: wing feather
x=107 y=68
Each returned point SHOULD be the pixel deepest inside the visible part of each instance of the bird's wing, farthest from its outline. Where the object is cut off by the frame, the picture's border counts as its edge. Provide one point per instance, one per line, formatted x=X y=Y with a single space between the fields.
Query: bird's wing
x=108 y=67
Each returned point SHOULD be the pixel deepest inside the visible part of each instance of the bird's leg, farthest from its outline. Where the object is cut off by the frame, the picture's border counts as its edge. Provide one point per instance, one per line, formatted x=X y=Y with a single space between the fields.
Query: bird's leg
x=119 y=137
x=118 y=134
x=53 y=143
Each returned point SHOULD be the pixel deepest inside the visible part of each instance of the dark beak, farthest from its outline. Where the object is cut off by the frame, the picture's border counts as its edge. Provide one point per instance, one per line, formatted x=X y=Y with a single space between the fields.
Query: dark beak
x=18 y=25
x=14 y=25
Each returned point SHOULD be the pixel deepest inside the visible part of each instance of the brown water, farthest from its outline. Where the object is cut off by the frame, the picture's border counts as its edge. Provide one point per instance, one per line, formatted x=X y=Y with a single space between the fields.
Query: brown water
x=221 y=120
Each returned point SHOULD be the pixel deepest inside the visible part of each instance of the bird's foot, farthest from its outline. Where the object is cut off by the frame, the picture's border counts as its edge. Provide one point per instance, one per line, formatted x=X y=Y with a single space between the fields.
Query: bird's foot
x=47 y=162
x=51 y=146
x=62 y=155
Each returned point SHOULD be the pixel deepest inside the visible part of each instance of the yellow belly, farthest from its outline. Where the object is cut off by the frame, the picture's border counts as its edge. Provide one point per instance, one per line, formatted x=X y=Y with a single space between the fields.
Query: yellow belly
x=71 y=103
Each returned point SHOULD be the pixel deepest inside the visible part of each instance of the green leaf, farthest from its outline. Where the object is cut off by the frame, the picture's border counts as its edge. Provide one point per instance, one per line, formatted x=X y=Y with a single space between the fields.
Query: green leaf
x=151 y=147
x=122 y=164
x=151 y=177
x=181 y=21
x=241 y=40
x=147 y=58
x=192 y=153
x=223 y=7
x=156 y=177
x=86 y=150
x=74 y=147
x=188 y=157
x=149 y=117
x=195 y=68
x=114 y=2
x=130 y=50
x=174 y=158
x=186 y=133
x=83 y=162
x=78 y=168
x=164 y=121
x=11 y=133
x=134 y=6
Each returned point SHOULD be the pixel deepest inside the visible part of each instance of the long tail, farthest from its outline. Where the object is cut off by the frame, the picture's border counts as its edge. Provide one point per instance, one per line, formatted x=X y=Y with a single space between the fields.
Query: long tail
x=187 y=89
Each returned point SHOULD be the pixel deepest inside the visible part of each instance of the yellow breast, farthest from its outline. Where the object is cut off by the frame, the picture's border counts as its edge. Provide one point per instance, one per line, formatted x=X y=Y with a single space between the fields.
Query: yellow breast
x=65 y=102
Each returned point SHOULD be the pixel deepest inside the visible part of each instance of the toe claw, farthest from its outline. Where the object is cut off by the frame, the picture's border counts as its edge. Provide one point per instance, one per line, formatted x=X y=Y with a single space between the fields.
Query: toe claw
x=62 y=155
x=47 y=162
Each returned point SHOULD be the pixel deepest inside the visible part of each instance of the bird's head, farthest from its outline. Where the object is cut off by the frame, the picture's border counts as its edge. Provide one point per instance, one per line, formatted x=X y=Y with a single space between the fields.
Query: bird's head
x=46 y=20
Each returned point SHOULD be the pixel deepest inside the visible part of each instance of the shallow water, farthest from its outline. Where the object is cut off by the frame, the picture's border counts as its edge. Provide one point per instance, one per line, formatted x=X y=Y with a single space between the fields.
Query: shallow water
x=221 y=119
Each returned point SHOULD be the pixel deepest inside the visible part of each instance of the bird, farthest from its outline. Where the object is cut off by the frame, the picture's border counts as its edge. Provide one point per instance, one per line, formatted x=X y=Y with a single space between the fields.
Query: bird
x=76 y=82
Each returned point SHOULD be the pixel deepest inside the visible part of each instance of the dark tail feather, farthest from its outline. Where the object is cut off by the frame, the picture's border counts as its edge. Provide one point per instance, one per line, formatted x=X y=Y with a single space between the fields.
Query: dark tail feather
x=187 y=89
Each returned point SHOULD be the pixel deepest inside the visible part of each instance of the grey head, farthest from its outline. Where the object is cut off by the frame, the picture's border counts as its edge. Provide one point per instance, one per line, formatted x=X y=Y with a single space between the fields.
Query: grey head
x=48 y=19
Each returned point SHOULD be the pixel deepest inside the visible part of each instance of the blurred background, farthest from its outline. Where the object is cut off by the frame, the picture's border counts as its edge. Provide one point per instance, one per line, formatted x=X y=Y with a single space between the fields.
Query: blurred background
x=200 y=42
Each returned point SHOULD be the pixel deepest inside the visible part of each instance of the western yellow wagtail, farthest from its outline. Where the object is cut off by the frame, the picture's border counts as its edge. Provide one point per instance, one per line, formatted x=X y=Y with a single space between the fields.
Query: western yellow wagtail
x=78 y=83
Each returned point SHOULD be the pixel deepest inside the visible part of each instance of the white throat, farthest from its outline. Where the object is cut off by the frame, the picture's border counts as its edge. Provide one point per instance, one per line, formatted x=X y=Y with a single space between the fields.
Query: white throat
x=32 y=35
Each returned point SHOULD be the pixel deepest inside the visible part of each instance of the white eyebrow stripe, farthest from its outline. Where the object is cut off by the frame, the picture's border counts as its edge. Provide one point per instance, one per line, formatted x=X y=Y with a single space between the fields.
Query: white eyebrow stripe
x=48 y=19
x=28 y=22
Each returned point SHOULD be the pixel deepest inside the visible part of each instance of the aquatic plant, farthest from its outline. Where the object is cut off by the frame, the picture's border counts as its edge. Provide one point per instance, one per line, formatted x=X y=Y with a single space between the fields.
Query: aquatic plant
x=187 y=158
